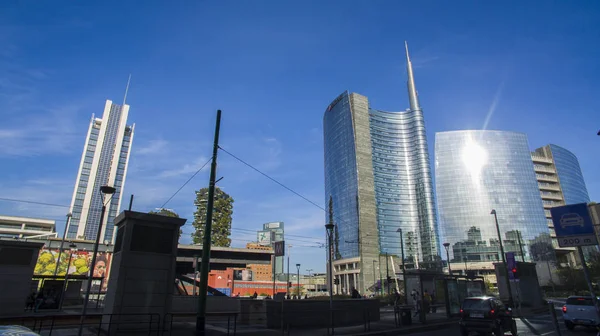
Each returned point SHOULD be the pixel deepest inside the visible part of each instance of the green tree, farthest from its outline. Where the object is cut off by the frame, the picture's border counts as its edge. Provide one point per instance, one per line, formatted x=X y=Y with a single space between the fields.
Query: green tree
x=222 y=214
x=168 y=213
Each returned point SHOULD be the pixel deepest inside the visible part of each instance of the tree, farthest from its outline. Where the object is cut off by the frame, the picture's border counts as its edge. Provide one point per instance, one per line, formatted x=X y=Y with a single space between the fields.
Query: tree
x=166 y=212
x=222 y=214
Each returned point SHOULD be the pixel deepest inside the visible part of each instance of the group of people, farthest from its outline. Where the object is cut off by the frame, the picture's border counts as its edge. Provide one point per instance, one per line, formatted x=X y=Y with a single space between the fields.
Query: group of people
x=424 y=303
x=40 y=299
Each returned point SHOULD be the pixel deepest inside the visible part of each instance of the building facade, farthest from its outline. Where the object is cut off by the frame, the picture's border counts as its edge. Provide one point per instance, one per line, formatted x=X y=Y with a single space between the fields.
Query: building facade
x=104 y=162
x=260 y=272
x=560 y=181
x=480 y=171
x=25 y=227
x=378 y=178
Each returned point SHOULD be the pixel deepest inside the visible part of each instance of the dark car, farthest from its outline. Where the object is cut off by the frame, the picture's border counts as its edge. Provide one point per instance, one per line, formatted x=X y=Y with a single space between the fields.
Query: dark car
x=486 y=314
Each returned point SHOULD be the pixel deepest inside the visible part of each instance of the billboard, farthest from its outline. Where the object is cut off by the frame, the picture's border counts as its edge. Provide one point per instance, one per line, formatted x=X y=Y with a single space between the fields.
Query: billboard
x=242 y=275
x=79 y=263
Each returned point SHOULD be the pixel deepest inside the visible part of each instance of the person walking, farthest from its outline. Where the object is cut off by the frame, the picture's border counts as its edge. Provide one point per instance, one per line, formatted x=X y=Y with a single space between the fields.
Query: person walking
x=355 y=294
x=417 y=301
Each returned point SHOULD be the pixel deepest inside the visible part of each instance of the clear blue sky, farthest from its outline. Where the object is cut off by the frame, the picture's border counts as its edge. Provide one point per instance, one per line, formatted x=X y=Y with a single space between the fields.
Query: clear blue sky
x=273 y=67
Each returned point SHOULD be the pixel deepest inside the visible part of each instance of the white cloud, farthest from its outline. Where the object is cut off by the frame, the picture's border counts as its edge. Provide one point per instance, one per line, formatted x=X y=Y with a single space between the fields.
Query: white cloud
x=186 y=169
x=153 y=147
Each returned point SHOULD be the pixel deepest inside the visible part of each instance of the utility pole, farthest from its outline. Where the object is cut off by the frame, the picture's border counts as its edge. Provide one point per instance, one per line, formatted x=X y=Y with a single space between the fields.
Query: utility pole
x=287 y=284
x=204 y=267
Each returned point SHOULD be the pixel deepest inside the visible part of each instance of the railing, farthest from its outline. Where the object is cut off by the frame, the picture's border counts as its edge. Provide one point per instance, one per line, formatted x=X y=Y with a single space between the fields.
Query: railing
x=93 y=324
x=173 y=323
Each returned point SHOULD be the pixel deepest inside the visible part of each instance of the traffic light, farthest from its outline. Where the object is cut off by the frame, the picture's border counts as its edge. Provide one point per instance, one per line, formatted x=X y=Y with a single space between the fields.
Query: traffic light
x=336 y=281
x=289 y=284
x=515 y=272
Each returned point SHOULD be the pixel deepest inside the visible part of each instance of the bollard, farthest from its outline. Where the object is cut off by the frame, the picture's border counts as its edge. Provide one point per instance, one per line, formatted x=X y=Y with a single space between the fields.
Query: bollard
x=554 y=318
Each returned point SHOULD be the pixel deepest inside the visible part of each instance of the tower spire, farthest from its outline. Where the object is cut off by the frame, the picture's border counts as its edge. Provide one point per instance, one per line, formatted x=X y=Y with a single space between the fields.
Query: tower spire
x=413 y=97
x=126 y=90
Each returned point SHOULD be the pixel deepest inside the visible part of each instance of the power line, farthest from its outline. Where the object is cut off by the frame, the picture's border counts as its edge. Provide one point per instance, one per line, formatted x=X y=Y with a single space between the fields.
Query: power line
x=186 y=182
x=272 y=179
x=32 y=202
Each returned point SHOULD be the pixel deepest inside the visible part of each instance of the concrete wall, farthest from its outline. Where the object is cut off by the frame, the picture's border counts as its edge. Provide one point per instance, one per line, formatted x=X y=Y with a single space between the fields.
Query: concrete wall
x=189 y=304
x=17 y=261
x=316 y=313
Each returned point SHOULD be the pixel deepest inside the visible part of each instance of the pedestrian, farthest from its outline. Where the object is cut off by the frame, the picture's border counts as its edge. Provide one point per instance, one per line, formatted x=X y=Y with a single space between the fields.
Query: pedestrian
x=426 y=301
x=416 y=300
x=355 y=293
x=255 y=295
x=396 y=298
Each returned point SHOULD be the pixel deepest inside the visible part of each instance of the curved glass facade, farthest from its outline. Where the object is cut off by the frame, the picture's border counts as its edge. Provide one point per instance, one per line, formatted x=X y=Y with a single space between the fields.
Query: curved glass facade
x=403 y=186
x=341 y=182
x=569 y=175
x=477 y=171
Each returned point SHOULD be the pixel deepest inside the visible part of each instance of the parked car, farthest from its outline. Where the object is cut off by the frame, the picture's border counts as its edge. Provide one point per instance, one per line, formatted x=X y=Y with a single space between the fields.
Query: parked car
x=16 y=330
x=485 y=314
x=580 y=310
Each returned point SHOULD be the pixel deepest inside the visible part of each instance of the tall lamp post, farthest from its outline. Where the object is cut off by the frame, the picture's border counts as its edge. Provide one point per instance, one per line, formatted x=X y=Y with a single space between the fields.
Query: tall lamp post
x=510 y=296
x=298 y=280
x=329 y=229
x=62 y=242
x=403 y=266
x=104 y=190
x=287 y=285
x=446 y=246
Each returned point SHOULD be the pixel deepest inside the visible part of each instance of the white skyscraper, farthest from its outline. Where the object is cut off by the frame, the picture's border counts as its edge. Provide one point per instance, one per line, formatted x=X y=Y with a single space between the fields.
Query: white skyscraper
x=104 y=162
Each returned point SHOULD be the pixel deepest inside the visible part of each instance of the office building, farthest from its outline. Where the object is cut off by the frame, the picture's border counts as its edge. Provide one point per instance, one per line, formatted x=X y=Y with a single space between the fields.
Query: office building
x=26 y=227
x=260 y=272
x=560 y=181
x=480 y=171
x=272 y=232
x=378 y=177
x=104 y=162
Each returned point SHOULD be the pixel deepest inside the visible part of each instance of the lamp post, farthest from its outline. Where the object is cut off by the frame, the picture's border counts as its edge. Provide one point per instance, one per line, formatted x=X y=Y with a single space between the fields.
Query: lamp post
x=62 y=242
x=104 y=190
x=298 y=280
x=329 y=229
x=510 y=296
x=403 y=266
x=447 y=246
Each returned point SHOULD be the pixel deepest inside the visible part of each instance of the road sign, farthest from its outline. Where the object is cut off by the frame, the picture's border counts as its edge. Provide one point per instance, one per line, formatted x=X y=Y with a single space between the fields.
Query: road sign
x=279 y=247
x=573 y=225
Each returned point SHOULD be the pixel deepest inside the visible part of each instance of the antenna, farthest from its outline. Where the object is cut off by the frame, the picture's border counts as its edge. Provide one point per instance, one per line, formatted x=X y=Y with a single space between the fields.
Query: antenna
x=126 y=89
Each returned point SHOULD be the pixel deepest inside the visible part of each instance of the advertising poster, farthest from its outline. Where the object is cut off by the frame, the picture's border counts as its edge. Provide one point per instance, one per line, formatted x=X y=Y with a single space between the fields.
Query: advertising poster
x=242 y=275
x=79 y=264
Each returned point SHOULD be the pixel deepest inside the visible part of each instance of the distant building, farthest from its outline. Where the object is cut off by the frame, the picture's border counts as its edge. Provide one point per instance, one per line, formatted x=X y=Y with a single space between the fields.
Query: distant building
x=560 y=181
x=477 y=171
x=103 y=162
x=378 y=176
x=260 y=272
x=26 y=227
x=272 y=232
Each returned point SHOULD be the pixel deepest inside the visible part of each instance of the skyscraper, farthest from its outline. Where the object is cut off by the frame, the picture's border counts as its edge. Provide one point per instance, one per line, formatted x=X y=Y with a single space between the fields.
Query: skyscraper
x=378 y=177
x=476 y=172
x=560 y=181
x=104 y=162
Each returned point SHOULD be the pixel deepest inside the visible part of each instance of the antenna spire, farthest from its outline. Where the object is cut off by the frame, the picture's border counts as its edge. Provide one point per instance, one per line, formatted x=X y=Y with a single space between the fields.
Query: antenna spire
x=413 y=97
x=126 y=89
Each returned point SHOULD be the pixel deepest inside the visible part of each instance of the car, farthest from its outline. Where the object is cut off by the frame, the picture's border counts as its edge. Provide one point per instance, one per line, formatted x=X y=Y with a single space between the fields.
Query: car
x=485 y=314
x=580 y=310
x=571 y=219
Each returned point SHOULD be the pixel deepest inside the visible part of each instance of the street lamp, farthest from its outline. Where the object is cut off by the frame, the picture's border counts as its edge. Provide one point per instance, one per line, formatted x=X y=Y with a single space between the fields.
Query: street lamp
x=329 y=229
x=510 y=297
x=104 y=190
x=403 y=266
x=287 y=285
x=298 y=281
x=446 y=246
x=62 y=241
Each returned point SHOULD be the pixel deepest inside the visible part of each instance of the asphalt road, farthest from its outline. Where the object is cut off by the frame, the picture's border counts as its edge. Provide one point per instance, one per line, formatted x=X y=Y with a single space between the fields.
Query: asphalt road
x=540 y=325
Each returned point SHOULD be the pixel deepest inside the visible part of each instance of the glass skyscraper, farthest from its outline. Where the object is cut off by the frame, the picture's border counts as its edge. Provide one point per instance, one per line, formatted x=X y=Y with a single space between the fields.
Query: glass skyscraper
x=475 y=172
x=378 y=177
x=104 y=162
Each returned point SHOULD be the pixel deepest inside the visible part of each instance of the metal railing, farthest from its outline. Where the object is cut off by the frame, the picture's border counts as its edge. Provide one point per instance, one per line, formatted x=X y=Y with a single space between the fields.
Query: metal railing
x=177 y=322
x=93 y=324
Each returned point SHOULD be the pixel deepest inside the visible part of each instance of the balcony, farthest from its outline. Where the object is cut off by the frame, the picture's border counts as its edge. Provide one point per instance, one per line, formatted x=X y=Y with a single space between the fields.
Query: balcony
x=551 y=196
x=546 y=178
x=541 y=159
x=544 y=169
x=549 y=186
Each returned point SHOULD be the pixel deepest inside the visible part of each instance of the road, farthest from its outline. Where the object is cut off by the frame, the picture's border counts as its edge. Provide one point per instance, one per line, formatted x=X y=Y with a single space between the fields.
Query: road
x=540 y=325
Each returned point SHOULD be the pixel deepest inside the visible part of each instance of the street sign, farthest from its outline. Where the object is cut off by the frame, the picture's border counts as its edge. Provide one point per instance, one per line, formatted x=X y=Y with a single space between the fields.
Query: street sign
x=573 y=225
x=510 y=264
x=279 y=247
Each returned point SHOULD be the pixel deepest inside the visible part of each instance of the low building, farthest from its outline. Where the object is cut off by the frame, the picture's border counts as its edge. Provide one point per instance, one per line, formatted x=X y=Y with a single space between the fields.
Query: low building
x=26 y=227
x=260 y=272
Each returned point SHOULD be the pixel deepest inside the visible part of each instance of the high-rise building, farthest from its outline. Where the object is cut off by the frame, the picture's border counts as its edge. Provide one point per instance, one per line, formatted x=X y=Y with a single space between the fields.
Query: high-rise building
x=378 y=177
x=104 y=162
x=480 y=171
x=272 y=232
x=560 y=181
x=26 y=227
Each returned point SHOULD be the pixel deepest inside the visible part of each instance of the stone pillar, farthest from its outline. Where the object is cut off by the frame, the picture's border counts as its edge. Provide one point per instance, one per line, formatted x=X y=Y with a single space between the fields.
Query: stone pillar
x=142 y=275
x=17 y=262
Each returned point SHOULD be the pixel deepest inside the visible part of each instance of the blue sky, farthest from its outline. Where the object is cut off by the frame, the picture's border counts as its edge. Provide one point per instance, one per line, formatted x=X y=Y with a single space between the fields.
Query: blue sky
x=273 y=67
